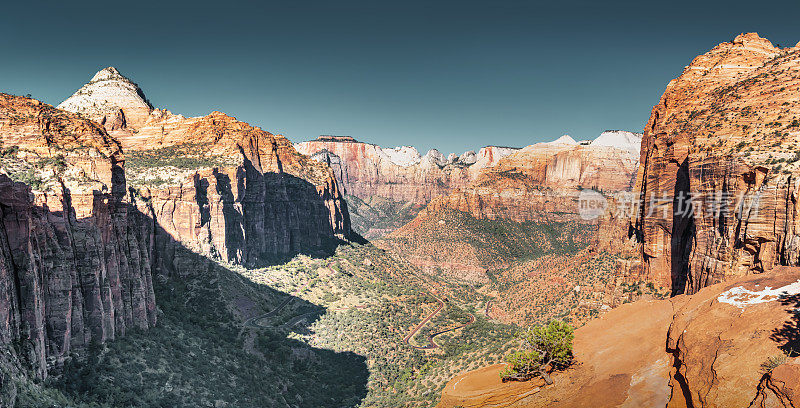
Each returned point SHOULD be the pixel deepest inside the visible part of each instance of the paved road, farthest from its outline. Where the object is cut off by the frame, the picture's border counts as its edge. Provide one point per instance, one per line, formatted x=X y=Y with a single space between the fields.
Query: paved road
x=422 y=323
x=253 y=321
x=431 y=343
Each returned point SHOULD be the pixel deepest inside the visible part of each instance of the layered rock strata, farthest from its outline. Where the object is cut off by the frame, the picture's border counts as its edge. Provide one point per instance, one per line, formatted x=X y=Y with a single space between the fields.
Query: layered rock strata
x=400 y=174
x=75 y=254
x=544 y=180
x=717 y=177
x=222 y=187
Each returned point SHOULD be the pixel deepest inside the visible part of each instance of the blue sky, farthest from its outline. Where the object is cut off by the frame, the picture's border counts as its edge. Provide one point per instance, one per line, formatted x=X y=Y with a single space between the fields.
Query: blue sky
x=451 y=75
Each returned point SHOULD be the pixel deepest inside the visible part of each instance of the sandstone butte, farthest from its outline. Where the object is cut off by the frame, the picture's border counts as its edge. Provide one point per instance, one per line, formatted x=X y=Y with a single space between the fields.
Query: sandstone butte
x=401 y=173
x=705 y=349
x=88 y=217
x=725 y=131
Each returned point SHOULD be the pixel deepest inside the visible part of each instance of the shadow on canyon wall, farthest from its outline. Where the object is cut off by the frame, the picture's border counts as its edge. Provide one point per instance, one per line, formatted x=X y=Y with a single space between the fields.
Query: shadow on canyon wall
x=200 y=351
x=203 y=350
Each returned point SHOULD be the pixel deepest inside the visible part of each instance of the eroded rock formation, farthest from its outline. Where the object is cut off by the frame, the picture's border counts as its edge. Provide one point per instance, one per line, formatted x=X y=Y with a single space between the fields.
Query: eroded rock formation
x=75 y=254
x=725 y=133
x=543 y=180
x=87 y=220
x=400 y=174
x=222 y=187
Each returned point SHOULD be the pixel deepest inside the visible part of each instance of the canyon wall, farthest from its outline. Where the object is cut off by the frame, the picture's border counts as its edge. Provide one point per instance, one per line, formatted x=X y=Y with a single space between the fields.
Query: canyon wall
x=543 y=180
x=400 y=174
x=91 y=213
x=75 y=254
x=217 y=185
x=717 y=177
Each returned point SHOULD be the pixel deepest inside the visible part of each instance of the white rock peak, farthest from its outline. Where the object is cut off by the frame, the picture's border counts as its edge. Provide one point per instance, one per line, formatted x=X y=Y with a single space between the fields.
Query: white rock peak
x=107 y=74
x=619 y=139
x=403 y=156
x=108 y=93
x=564 y=140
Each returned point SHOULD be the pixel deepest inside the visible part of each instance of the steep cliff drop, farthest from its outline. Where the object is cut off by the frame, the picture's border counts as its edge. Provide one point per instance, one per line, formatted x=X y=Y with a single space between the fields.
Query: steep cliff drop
x=75 y=254
x=85 y=229
x=401 y=173
x=717 y=174
x=717 y=226
x=218 y=185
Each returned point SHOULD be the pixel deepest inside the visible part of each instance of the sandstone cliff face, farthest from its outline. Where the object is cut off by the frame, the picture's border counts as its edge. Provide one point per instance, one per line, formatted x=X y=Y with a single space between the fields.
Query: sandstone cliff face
x=726 y=133
x=74 y=252
x=705 y=350
x=84 y=228
x=542 y=180
x=400 y=174
x=224 y=188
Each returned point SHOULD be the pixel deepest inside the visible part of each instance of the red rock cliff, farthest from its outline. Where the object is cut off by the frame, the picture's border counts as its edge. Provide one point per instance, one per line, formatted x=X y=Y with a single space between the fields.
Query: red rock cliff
x=400 y=174
x=217 y=185
x=74 y=253
x=725 y=133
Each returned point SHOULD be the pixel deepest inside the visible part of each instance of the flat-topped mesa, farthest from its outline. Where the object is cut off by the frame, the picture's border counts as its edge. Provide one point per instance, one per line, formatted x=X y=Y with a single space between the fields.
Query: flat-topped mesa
x=729 y=127
x=401 y=173
x=112 y=100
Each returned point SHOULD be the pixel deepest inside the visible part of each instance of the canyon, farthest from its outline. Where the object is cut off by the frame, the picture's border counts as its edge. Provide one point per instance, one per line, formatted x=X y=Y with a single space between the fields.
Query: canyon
x=93 y=211
x=715 y=225
x=119 y=219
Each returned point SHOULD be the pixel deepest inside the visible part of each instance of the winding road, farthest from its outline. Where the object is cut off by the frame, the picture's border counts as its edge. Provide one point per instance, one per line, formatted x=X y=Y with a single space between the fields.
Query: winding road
x=431 y=343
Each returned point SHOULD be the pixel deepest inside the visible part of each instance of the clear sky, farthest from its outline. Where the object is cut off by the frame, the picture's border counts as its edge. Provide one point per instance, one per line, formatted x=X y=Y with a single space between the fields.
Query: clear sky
x=454 y=75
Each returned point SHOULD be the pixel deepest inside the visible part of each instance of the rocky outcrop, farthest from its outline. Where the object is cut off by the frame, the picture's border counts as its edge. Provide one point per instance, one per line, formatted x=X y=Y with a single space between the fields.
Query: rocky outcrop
x=400 y=174
x=724 y=134
x=227 y=189
x=721 y=347
x=111 y=100
x=543 y=180
x=74 y=252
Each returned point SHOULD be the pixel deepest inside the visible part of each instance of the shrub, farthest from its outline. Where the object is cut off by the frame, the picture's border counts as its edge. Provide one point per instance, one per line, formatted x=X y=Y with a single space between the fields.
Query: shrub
x=772 y=362
x=545 y=348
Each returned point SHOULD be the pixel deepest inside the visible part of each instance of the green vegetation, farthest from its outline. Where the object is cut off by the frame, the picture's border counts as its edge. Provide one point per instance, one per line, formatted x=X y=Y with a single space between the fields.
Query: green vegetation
x=182 y=156
x=543 y=348
x=772 y=362
x=377 y=216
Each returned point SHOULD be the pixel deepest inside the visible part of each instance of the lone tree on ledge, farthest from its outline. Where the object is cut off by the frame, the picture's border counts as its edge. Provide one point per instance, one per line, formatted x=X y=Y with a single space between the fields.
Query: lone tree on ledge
x=545 y=348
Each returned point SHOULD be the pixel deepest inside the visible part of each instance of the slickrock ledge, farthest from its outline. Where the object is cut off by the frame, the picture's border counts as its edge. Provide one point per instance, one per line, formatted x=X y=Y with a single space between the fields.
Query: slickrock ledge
x=705 y=349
